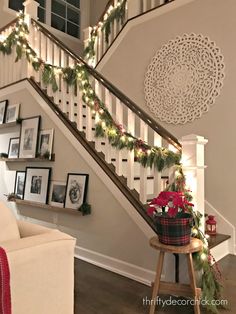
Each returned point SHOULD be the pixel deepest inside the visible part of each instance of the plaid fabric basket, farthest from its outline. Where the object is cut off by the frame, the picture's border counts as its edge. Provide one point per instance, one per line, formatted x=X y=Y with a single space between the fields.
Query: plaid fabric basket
x=174 y=231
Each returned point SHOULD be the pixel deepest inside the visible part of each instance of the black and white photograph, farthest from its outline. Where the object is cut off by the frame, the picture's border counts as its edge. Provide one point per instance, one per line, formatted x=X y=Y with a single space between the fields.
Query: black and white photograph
x=76 y=190
x=12 y=113
x=29 y=137
x=37 y=184
x=13 y=150
x=19 y=184
x=45 y=143
x=3 y=109
x=57 y=193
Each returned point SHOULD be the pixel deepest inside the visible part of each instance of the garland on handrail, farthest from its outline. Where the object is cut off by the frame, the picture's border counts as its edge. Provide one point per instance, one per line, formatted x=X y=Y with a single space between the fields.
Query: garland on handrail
x=105 y=125
x=116 y=13
x=203 y=261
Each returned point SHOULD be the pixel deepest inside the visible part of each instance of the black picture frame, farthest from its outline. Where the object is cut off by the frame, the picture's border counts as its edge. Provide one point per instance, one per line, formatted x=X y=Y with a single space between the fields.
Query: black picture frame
x=16 y=189
x=16 y=139
x=3 y=110
x=36 y=188
x=8 y=117
x=29 y=128
x=76 y=190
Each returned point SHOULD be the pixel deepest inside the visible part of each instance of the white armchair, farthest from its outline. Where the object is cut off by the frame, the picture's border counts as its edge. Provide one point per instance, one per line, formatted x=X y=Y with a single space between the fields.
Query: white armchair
x=41 y=262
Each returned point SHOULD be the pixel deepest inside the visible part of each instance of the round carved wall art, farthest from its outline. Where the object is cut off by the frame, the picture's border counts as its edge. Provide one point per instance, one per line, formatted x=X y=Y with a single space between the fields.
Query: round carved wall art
x=184 y=78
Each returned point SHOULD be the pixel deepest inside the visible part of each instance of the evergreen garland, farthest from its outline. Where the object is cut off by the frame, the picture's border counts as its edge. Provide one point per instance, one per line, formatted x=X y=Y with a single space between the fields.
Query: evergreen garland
x=115 y=14
x=203 y=261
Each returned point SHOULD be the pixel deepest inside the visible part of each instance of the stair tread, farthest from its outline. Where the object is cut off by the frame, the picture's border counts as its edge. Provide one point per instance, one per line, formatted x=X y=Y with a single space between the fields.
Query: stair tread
x=215 y=240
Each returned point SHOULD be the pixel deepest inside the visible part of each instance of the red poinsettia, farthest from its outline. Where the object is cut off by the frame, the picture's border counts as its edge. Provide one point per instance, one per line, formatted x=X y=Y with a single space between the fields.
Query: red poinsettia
x=169 y=202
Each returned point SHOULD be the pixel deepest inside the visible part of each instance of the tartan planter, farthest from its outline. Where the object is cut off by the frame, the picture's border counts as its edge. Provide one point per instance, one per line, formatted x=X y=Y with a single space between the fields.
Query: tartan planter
x=174 y=230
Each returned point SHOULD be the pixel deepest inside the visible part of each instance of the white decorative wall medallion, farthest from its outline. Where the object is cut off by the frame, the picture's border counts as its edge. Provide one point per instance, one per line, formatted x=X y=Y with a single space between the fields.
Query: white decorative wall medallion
x=184 y=78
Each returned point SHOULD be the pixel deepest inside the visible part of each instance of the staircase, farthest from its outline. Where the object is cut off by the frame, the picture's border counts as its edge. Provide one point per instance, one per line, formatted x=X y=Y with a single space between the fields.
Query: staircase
x=71 y=104
x=138 y=183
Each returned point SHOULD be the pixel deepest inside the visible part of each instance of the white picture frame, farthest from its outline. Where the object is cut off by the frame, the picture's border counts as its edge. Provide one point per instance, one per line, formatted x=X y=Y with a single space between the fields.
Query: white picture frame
x=13 y=150
x=3 y=109
x=19 y=184
x=45 y=143
x=76 y=190
x=57 y=193
x=12 y=113
x=37 y=184
x=29 y=137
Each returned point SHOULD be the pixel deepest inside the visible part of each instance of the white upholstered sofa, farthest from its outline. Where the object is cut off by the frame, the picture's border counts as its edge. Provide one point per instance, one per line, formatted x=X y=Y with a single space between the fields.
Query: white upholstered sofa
x=41 y=263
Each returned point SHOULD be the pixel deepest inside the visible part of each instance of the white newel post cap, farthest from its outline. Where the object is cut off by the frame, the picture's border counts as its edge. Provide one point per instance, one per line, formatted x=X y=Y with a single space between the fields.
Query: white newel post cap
x=31 y=8
x=193 y=150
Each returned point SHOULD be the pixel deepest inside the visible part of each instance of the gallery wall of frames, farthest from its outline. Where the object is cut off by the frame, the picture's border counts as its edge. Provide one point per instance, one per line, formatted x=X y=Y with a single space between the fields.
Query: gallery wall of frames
x=34 y=184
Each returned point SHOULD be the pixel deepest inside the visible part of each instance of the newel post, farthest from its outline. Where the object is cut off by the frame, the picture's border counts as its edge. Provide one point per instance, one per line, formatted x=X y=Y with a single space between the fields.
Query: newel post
x=31 y=8
x=194 y=169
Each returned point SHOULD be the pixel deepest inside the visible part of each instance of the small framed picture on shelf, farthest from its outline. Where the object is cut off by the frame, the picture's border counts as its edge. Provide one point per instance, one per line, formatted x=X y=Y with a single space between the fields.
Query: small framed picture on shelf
x=37 y=184
x=45 y=143
x=57 y=193
x=76 y=190
x=3 y=109
x=29 y=137
x=13 y=150
x=12 y=113
x=19 y=184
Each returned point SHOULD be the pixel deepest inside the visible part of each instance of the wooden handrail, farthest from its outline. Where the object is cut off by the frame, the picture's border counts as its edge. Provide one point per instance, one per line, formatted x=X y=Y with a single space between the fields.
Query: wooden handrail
x=121 y=96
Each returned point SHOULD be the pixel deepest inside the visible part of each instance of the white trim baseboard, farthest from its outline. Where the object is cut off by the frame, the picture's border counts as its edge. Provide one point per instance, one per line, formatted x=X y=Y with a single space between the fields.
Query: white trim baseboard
x=117 y=266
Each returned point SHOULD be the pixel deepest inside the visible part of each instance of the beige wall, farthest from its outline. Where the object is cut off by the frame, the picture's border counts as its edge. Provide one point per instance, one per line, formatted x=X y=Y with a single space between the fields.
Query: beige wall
x=128 y=64
x=109 y=230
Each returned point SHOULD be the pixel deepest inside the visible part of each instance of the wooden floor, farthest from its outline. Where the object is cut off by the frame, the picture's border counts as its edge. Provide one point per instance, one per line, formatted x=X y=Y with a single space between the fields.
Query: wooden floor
x=98 y=291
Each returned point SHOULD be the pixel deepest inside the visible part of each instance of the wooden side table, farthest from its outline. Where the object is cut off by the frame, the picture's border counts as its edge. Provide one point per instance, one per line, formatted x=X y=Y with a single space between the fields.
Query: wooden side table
x=176 y=288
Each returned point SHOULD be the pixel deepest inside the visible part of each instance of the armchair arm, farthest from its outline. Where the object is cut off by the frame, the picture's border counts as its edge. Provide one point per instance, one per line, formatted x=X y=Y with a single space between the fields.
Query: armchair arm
x=42 y=273
x=27 y=229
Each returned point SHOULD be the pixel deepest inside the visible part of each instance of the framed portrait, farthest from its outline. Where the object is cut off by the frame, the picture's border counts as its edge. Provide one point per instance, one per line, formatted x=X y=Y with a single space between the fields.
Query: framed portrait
x=76 y=190
x=12 y=113
x=13 y=150
x=29 y=137
x=45 y=143
x=57 y=193
x=19 y=184
x=3 y=109
x=37 y=184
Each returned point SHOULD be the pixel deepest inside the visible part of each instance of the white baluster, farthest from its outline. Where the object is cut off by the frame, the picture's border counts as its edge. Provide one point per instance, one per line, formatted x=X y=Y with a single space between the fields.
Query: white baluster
x=157 y=184
x=63 y=83
x=130 y=154
x=99 y=45
x=43 y=53
x=118 y=153
x=79 y=102
x=35 y=44
x=109 y=148
x=143 y=171
x=98 y=141
x=56 y=62
x=145 y=5
x=49 y=61
x=71 y=95
x=134 y=8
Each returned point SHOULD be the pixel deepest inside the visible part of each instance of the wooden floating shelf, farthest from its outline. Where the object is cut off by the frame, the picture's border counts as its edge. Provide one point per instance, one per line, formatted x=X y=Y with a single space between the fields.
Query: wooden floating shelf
x=37 y=159
x=8 y=125
x=48 y=207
